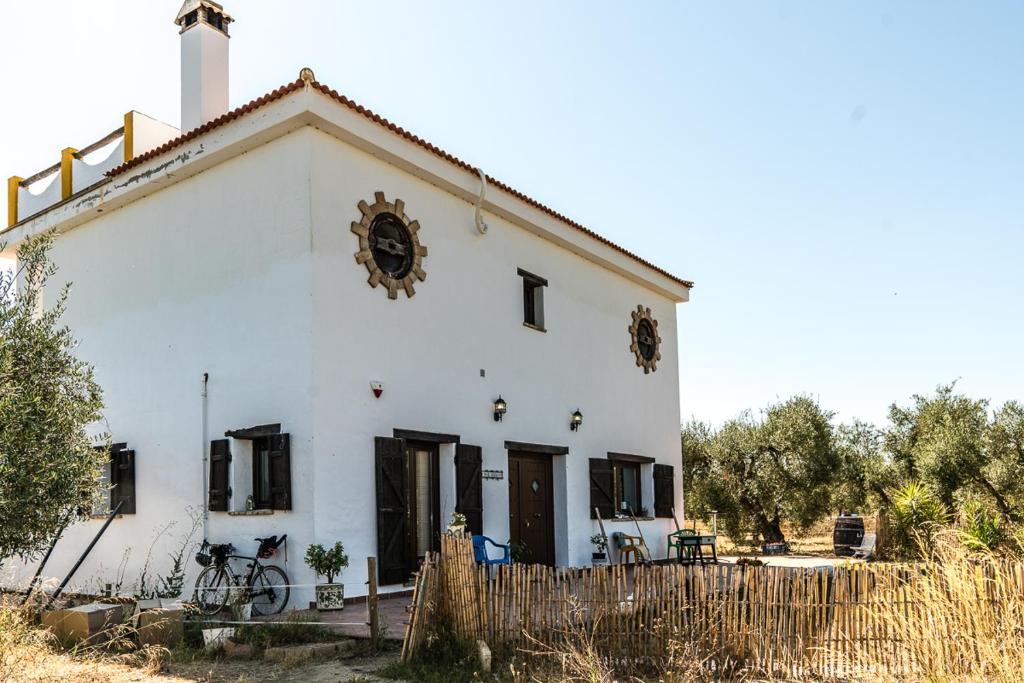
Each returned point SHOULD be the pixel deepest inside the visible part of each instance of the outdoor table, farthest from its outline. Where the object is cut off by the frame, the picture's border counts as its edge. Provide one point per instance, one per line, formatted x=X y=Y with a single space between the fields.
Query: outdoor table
x=690 y=549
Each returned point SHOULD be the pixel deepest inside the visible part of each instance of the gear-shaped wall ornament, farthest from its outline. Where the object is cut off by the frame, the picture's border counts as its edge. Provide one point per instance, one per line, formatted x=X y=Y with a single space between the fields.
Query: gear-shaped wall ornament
x=389 y=245
x=645 y=342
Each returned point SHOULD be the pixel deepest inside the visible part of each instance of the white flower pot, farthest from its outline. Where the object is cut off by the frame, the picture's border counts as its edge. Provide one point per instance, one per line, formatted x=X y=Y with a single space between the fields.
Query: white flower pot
x=458 y=531
x=242 y=611
x=330 y=596
x=214 y=638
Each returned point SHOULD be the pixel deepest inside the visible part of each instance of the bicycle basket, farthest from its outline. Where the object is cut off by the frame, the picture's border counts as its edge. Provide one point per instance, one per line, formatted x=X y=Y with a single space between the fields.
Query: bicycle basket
x=220 y=552
x=268 y=546
x=203 y=559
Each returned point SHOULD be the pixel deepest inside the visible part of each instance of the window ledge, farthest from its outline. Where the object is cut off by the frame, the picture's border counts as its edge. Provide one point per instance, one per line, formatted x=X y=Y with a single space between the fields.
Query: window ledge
x=104 y=515
x=628 y=520
x=534 y=327
x=249 y=513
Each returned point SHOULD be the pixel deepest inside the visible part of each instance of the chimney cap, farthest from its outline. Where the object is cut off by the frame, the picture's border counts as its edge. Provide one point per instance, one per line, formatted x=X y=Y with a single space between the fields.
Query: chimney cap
x=190 y=6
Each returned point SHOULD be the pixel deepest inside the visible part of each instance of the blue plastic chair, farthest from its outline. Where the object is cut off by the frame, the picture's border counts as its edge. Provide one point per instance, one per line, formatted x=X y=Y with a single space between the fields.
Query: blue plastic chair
x=480 y=553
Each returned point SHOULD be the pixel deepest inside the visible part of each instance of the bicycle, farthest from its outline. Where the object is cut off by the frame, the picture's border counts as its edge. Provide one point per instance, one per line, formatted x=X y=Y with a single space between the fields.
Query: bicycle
x=267 y=584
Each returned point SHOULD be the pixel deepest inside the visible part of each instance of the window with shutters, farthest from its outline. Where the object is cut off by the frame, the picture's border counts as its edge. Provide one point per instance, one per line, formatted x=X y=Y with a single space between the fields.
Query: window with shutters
x=533 y=300
x=251 y=470
x=119 y=480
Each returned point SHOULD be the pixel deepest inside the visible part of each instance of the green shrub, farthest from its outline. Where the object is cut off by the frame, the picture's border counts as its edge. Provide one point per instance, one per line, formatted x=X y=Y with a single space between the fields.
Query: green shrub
x=915 y=516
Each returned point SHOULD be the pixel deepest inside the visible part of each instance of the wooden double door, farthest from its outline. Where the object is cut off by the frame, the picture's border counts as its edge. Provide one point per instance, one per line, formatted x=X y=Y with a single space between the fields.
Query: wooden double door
x=531 y=506
x=408 y=501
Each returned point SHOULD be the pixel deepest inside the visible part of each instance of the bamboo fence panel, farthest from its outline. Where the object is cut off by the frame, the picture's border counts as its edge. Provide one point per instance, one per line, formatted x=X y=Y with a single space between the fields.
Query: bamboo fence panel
x=820 y=621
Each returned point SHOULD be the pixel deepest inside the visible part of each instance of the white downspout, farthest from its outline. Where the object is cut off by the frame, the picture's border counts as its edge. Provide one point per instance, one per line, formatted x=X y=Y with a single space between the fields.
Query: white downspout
x=478 y=217
x=206 y=456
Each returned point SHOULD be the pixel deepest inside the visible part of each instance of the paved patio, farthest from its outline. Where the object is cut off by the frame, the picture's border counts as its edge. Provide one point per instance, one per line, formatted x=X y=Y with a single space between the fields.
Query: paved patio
x=353 y=620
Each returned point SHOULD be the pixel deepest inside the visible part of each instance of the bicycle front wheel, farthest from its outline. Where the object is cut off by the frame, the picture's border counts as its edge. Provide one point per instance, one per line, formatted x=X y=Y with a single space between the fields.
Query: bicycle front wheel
x=269 y=590
x=212 y=590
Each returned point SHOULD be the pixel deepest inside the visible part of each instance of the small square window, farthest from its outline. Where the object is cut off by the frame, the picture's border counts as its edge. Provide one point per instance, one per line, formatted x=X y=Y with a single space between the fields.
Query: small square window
x=533 y=300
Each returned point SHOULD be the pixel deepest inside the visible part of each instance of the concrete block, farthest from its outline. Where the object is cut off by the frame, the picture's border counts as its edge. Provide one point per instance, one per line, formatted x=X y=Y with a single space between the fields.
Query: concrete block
x=84 y=624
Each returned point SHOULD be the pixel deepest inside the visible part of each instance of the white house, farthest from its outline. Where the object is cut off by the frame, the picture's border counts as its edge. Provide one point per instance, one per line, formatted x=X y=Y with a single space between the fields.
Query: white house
x=303 y=316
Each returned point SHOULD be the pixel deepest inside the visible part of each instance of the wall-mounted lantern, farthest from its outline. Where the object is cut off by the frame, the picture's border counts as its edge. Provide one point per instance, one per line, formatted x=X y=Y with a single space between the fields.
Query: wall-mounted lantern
x=500 y=408
x=576 y=420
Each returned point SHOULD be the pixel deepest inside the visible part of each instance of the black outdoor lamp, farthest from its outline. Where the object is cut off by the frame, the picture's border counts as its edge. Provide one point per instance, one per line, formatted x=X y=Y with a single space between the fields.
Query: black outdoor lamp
x=500 y=408
x=576 y=420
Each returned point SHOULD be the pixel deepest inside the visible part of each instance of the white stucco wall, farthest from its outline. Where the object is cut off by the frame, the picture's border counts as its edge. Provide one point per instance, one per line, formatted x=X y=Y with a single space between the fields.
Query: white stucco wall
x=246 y=272
x=467 y=316
x=210 y=275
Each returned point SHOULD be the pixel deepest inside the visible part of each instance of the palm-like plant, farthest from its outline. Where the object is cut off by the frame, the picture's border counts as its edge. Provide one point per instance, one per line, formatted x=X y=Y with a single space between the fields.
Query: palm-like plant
x=916 y=514
x=980 y=531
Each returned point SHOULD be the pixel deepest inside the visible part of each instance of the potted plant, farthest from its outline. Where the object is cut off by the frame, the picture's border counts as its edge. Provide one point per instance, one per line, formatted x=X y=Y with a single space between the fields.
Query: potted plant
x=457 y=525
x=600 y=542
x=328 y=563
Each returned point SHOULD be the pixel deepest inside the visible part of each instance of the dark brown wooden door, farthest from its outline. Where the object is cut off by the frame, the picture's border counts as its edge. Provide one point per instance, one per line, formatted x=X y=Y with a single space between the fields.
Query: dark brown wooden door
x=393 y=552
x=530 y=505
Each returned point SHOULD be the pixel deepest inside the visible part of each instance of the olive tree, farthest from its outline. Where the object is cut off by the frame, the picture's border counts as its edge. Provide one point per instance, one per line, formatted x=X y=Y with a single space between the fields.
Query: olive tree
x=948 y=441
x=867 y=470
x=761 y=473
x=49 y=471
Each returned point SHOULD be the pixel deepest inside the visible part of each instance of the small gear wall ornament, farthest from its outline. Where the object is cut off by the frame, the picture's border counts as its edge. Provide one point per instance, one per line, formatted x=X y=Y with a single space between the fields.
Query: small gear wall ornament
x=389 y=245
x=646 y=343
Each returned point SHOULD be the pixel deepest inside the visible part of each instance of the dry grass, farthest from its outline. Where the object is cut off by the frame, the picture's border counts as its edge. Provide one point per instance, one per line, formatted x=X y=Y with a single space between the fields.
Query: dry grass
x=31 y=653
x=973 y=627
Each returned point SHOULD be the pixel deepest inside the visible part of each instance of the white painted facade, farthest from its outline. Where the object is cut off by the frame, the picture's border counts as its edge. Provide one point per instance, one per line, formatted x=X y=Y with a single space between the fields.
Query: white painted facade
x=215 y=288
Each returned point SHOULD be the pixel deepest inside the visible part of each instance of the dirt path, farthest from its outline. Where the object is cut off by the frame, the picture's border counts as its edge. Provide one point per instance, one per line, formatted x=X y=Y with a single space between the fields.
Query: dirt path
x=56 y=668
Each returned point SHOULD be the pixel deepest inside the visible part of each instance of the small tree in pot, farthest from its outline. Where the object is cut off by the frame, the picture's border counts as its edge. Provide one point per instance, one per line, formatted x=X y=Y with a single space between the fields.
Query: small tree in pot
x=328 y=563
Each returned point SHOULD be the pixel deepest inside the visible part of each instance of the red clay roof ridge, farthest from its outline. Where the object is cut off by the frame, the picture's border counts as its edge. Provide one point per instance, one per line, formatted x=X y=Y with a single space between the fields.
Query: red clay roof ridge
x=398 y=130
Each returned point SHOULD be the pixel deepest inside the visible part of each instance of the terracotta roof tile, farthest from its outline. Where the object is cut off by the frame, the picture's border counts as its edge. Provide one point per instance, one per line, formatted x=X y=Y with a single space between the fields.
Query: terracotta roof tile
x=398 y=130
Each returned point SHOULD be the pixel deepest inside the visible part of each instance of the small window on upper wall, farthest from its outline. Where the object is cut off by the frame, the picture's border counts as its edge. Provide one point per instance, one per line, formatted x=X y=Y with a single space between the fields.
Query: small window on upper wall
x=533 y=300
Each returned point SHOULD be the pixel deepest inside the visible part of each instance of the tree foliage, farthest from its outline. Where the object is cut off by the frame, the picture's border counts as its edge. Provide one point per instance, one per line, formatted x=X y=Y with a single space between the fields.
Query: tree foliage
x=948 y=441
x=49 y=471
x=759 y=474
x=794 y=467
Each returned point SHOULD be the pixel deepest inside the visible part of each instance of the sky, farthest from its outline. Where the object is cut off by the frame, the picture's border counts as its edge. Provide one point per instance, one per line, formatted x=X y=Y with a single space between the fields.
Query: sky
x=844 y=182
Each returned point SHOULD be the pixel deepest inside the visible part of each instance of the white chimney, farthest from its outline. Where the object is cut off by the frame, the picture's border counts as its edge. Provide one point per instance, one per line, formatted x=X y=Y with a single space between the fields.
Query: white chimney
x=204 y=62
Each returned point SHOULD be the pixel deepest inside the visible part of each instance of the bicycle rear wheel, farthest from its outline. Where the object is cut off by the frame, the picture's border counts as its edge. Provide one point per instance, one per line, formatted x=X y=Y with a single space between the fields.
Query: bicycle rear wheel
x=212 y=590
x=270 y=590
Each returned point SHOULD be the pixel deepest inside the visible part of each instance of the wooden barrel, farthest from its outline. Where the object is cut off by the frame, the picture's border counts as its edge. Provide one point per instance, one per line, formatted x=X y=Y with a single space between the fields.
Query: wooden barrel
x=848 y=534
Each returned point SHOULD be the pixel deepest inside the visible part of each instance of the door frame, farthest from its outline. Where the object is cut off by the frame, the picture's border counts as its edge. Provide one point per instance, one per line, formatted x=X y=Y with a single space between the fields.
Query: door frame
x=545 y=458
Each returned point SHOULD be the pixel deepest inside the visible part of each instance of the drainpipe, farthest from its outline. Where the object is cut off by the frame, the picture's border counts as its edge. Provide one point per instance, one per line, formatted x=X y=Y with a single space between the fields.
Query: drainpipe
x=206 y=468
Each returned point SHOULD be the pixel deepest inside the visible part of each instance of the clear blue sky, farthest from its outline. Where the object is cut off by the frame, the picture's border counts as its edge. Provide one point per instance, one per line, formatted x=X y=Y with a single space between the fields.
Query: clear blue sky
x=843 y=181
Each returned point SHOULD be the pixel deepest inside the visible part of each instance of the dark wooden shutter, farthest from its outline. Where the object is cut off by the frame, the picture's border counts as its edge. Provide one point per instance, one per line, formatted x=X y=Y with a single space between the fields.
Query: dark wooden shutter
x=392 y=486
x=664 y=490
x=602 y=488
x=469 y=490
x=220 y=456
x=122 y=478
x=280 y=472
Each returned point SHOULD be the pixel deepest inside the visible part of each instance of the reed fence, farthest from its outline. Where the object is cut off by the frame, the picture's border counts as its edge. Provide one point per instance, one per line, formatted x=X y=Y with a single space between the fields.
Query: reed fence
x=848 y=620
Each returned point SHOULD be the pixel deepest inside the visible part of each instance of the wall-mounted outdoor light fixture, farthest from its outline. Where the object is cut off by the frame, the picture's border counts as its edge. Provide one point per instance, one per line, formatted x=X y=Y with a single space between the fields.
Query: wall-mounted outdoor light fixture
x=576 y=420
x=500 y=408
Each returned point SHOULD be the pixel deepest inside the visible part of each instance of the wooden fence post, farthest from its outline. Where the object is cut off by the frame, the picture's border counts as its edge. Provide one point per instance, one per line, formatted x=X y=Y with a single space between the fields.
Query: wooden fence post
x=371 y=601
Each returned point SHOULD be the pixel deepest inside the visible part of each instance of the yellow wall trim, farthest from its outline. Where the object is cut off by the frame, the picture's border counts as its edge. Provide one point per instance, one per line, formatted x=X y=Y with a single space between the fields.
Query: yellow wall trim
x=13 y=183
x=129 y=135
x=66 y=156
